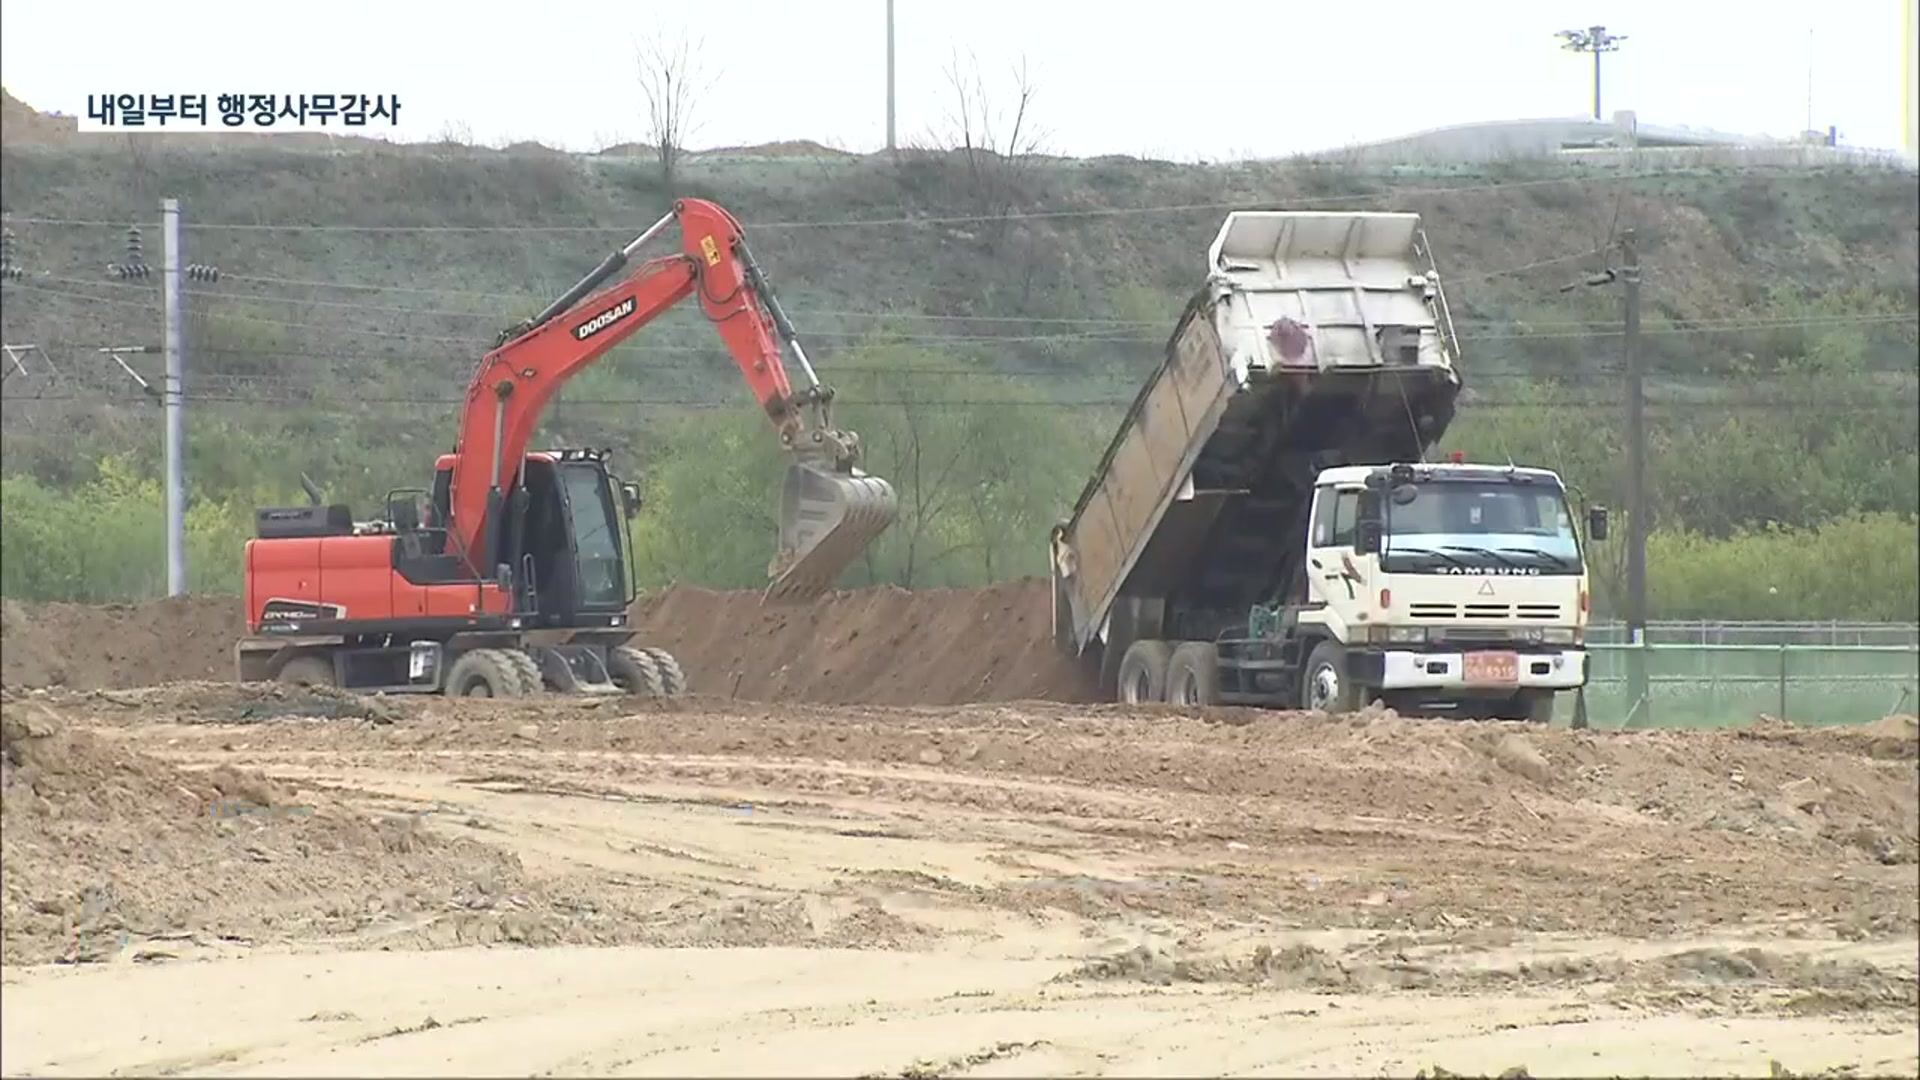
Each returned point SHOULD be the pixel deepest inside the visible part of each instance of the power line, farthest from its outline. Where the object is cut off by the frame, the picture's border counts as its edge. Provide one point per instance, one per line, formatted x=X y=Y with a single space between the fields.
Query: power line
x=527 y=298
x=1598 y=329
x=1301 y=202
x=1719 y=404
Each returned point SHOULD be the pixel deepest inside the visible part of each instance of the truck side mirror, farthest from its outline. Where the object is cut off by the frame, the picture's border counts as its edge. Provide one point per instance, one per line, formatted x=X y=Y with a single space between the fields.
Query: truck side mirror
x=1597 y=523
x=1366 y=533
x=630 y=500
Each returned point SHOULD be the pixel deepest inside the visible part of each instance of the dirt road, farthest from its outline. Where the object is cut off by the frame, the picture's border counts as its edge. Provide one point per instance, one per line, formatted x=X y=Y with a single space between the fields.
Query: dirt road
x=249 y=881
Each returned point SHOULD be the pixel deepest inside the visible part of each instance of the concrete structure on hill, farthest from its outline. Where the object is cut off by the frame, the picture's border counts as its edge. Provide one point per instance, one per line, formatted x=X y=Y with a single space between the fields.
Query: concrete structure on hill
x=1554 y=137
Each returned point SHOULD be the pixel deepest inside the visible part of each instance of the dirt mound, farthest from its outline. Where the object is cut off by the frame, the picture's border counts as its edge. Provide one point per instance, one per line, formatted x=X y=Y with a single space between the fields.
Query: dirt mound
x=110 y=852
x=21 y=123
x=118 y=645
x=884 y=646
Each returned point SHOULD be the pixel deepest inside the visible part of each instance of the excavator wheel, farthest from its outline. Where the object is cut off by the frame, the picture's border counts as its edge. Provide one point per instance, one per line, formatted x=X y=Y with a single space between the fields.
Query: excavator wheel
x=531 y=681
x=634 y=671
x=672 y=679
x=827 y=519
x=307 y=670
x=485 y=673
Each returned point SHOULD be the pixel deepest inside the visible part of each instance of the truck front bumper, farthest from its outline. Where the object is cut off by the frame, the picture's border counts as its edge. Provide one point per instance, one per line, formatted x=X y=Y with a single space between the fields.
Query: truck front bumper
x=1563 y=669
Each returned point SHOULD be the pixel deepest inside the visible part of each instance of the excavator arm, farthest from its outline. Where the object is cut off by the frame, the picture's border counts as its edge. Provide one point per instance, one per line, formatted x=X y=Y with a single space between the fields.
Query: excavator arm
x=830 y=510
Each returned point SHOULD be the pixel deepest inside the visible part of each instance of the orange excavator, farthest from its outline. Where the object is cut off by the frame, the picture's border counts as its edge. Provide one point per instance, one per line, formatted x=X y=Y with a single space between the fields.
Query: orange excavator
x=509 y=577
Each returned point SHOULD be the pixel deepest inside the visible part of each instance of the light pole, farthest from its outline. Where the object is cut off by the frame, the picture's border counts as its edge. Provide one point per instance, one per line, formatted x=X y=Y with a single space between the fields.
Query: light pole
x=1596 y=40
x=890 y=142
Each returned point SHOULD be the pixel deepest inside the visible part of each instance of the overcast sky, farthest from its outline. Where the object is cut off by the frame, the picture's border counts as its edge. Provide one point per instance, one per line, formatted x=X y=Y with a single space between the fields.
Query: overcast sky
x=1209 y=81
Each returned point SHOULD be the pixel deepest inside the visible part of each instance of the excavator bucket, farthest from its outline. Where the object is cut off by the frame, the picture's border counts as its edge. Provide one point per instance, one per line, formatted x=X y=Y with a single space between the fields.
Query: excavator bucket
x=827 y=519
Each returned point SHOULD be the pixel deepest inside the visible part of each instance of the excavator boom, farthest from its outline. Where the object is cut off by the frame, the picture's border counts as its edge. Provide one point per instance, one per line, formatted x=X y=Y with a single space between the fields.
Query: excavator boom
x=830 y=510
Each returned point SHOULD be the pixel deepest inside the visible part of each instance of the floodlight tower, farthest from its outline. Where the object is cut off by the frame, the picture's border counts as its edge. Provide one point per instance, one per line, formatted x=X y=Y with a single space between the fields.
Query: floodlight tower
x=1596 y=40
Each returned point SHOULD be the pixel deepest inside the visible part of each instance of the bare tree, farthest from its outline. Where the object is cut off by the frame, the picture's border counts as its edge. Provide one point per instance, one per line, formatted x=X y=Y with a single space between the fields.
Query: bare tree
x=995 y=136
x=672 y=82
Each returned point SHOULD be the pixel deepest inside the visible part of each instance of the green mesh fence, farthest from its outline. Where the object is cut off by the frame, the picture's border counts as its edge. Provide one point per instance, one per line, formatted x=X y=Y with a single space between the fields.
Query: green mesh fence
x=1717 y=685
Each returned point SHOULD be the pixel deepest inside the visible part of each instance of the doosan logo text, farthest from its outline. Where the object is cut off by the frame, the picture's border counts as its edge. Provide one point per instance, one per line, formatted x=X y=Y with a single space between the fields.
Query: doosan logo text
x=603 y=320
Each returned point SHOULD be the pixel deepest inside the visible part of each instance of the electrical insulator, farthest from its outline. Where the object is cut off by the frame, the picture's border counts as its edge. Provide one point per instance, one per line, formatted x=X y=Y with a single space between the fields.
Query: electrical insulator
x=203 y=272
x=123 y=271
x=133 y=246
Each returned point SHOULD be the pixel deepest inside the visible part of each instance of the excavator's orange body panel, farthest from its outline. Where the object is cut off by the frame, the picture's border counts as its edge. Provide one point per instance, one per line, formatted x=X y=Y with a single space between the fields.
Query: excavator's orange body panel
x=318 y=581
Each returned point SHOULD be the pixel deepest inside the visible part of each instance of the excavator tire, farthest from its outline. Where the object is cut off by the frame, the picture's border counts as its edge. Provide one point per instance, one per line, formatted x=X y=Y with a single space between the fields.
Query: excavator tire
x=531 y=681
x=672 y=679
x=485 y=673
x=635 y=672
x=307 y=670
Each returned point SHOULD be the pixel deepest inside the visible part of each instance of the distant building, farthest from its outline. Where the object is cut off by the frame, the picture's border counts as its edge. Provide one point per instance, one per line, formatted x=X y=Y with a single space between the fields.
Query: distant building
x=1596 y=140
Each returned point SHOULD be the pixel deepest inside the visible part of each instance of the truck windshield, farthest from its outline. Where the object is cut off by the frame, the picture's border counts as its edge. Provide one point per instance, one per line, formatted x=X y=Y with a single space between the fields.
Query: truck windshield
x=1452 y=526
x=594 y=537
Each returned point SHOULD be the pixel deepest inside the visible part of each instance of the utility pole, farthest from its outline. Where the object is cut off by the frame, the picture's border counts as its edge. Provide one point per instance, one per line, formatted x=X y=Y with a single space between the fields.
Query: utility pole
x=173 y=399
x=1596 y=40
x=1642 y=706
x=890 y=142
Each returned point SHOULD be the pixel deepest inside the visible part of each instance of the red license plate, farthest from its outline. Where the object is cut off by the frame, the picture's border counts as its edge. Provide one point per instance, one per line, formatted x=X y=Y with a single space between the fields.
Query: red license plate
x=1491 y=668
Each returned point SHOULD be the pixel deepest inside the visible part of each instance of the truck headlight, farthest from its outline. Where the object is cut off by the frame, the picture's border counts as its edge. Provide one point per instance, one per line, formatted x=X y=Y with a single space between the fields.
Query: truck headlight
x=1407 y=635
x=1558 y=635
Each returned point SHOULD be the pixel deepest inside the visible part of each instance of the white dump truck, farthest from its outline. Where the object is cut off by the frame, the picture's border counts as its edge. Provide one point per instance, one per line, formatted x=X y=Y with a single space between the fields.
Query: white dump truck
x=1265 y=527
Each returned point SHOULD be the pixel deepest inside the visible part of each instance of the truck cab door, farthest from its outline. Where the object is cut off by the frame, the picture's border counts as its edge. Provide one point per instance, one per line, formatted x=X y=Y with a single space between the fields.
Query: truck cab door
x=1337 y=579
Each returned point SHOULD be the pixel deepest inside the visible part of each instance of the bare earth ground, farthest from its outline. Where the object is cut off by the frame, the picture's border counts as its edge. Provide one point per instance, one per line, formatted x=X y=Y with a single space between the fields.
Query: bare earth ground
x=244 y=880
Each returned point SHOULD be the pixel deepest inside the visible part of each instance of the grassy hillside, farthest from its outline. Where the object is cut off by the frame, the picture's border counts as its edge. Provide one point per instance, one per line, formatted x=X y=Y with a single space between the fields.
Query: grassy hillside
x=973 y=310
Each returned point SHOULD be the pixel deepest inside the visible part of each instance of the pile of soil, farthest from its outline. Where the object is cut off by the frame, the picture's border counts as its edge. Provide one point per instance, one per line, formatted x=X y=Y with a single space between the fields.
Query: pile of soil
x=118 y=645
x=882 y=646
x=112 y=853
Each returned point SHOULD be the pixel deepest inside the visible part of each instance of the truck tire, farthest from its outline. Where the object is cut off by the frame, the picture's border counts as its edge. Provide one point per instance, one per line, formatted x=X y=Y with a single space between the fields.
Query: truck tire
x=1324 y=685
x=635 y=672
x=672 y=679
x=1193 y=675
x=1143 y=672
x=309 y=670
x=484 y=673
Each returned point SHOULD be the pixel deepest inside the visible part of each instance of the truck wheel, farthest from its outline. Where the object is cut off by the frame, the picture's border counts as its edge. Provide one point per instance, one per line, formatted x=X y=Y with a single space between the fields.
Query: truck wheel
x=1193 y=675
x=484 y=673
x=1143 y=672
x=672 y=679
x=1324 y=686
x=635 y=672
x=308 y=671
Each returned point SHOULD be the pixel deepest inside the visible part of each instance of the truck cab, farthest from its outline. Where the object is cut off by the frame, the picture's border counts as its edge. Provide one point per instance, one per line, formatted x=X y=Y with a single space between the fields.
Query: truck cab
x=1452 y=587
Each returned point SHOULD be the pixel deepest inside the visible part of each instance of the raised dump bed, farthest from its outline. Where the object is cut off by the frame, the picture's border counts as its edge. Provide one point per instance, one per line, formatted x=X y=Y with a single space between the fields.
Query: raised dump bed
x=1319 y=339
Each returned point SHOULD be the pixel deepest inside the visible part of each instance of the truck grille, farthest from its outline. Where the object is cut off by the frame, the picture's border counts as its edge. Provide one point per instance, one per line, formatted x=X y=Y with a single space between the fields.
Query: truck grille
x=1485 y=611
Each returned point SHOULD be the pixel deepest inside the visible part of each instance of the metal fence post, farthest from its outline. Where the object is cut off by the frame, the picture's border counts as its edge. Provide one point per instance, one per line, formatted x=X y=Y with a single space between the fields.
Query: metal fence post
x=1783 y=680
